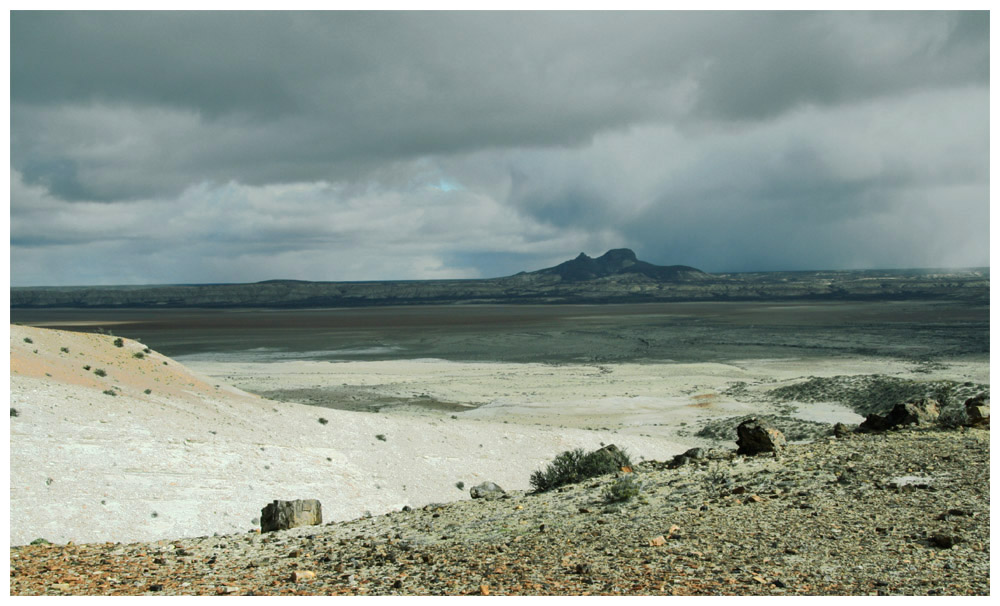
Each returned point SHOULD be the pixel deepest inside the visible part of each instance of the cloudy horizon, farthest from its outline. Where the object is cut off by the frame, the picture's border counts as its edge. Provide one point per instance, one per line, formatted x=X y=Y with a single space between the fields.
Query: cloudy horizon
x=191 y=147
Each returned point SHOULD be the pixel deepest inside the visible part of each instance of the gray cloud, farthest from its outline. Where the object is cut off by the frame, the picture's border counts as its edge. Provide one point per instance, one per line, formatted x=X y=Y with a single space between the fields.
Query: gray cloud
x=261 y=145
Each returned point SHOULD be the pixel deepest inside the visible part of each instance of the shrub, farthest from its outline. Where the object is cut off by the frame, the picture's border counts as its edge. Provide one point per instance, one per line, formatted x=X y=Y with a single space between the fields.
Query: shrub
x=64 y=349
x=380 y=436
x=147 y=350
x=148 y=391
x=119 y=342
x=110 y=392
x=28 y=340
x=13 y=412
x=622 y=489
x=323 y=421
x=101 y=372
x=577 y=465
x=40 y=541
x=139 y=355
x=460 y=485
x=86 y=366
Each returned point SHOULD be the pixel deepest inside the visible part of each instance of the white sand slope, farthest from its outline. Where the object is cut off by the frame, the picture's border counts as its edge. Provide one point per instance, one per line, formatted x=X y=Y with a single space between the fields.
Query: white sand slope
x=195 y=456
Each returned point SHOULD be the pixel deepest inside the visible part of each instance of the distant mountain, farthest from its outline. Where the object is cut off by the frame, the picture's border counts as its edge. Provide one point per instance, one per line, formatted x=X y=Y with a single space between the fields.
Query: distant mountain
x=615 y=276
x=616 y=262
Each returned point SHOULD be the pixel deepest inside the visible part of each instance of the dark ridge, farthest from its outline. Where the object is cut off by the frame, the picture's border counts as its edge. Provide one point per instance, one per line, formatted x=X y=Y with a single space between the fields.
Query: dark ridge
x=618 y=261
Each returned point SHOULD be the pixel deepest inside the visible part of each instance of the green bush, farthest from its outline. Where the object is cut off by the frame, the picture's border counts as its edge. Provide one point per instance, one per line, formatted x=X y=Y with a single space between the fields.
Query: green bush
x=40 y=541
x=460 y=485
x=577 y=465
x=110 y=392
x=380 y=436
x=101 y=372
x=323 y=421
x=139 y=355
x=623 y=489
x=64 y=349
x=119 y=342
x=148 y=391
x=28 y=340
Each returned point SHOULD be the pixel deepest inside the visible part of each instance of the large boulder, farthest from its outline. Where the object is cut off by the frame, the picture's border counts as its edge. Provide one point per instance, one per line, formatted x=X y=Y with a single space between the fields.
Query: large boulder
x=753 y=437
x=977 y=409
x=282 y=515
x=487 y=490
x=923 y=411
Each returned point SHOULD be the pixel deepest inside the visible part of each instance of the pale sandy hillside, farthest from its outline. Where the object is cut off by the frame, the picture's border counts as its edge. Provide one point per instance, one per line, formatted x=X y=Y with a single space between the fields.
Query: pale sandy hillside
x=195 y=456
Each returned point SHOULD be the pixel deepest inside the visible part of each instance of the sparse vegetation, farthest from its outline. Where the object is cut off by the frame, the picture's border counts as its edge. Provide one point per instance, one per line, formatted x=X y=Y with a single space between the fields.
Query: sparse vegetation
x=109 y=392
x=64 y=349
x=119 y=342
x=14 y=413
x=101 y=372
x=623 y=489
x=139 y=355
x=380 y=436
x=577 y=465
x=323 y=421
x=460 y=485
x=148 y=391
x=86 y=366
x=28 y=340
x=41 y=541
x=147 y=350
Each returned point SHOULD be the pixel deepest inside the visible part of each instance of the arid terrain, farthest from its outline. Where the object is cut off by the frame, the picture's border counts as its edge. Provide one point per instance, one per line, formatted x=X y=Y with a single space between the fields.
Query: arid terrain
x=148 y=473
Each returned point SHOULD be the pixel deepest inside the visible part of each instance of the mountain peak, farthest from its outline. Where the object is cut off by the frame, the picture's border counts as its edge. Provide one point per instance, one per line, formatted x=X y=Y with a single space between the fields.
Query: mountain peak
x=617 y=261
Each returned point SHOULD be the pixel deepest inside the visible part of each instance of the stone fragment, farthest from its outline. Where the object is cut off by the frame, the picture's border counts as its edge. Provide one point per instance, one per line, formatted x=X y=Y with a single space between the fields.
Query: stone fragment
x=658 y=541
x=484 y=590
x=689 y=455
x=753 y=437
x=922 y=411
x=302 y=575
x=282 y=515
x=841 y=430
x=486 y=490
x=977 y=410
x=943 y=540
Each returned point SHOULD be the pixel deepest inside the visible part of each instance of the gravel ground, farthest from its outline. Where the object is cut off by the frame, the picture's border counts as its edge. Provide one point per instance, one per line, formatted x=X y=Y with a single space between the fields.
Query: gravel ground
x=901 y=513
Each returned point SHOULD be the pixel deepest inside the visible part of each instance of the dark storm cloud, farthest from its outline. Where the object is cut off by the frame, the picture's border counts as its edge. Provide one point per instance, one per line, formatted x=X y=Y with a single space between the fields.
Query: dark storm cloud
x=265 y=97
x=225 y=146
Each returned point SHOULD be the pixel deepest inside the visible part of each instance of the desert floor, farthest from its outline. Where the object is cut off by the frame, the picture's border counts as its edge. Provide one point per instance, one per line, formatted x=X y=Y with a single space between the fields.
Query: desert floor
x=202 y=452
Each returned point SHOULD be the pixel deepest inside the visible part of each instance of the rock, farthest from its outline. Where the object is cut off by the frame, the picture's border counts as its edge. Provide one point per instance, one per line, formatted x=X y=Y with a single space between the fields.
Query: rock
x=486 y=490
x=977 y=409
x=922 y=411
x=282 y=515
x=302 y=575
x=658 y=541
x=753 y=437
x=944 y=541
x=692 y=454
x=484 y=590
x=841 y=430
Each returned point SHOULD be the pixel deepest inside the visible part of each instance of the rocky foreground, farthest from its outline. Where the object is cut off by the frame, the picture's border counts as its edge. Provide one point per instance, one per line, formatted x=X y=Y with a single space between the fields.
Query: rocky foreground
x=903 y=512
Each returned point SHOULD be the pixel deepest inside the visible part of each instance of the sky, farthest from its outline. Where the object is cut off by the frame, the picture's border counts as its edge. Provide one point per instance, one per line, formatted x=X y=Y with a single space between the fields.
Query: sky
x=192 y=147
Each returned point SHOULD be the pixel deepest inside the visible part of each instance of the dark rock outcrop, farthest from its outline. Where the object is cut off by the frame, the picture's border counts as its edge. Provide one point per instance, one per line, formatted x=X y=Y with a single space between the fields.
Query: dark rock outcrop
x=282 y=515
x=922 y=411
x=977 y=410
x=753 y=437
